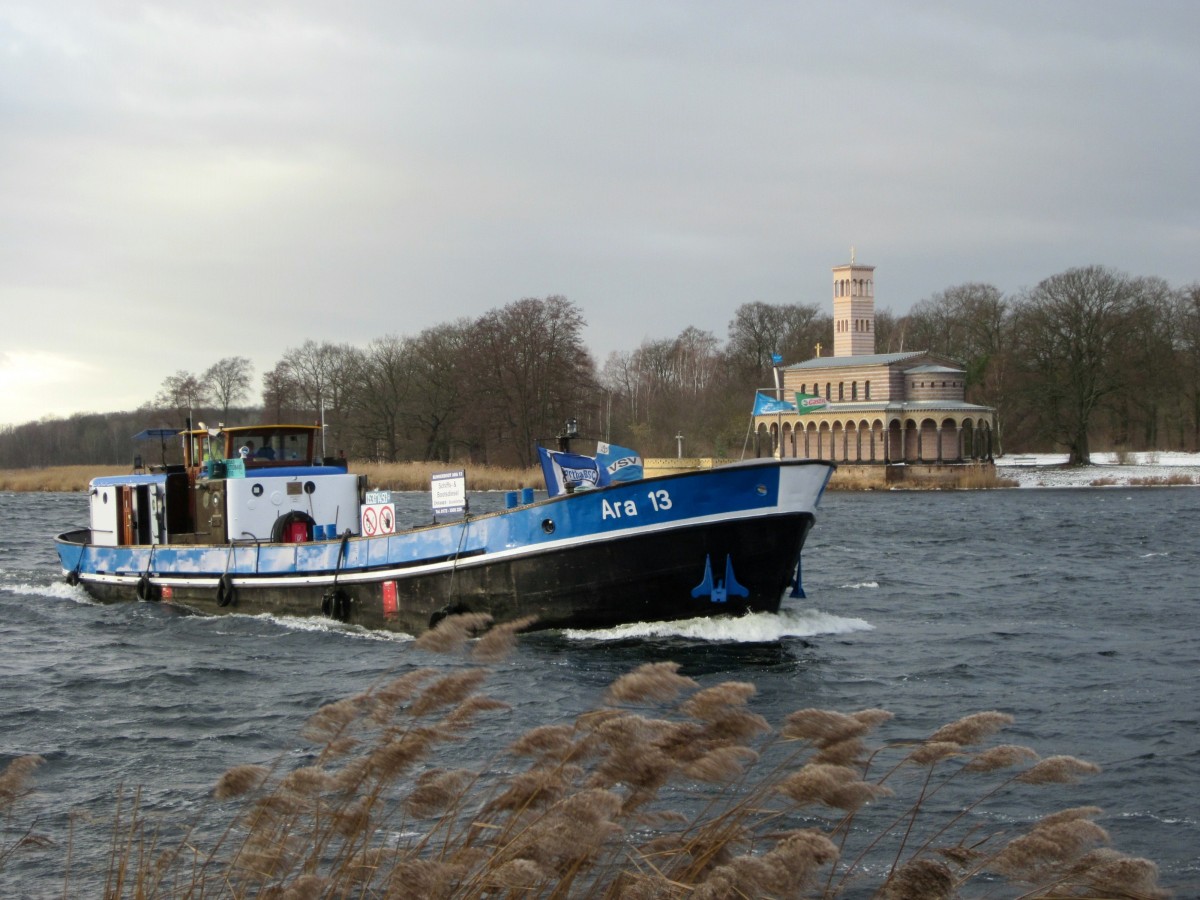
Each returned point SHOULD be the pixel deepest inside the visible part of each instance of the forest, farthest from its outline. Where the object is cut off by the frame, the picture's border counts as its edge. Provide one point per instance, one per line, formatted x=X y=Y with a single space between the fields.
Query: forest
x=1088 y=359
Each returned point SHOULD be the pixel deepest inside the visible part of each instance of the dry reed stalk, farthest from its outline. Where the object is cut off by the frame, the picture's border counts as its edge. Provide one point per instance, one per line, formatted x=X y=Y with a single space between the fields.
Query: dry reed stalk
x=452 y=633
x=652 y=681
x=972 y=729
x=14 y=780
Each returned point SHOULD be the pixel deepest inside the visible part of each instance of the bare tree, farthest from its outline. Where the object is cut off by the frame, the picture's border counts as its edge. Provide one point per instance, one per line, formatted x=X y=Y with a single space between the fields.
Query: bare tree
x=228 y=380
x=1187 y=313
x=322 y=375
x=1148 y=400
x=382 y=390
x=1072 y=333
x=280 y=395
x=183 y=393
x=441 y=391
x=533 y=367
x=760 y=331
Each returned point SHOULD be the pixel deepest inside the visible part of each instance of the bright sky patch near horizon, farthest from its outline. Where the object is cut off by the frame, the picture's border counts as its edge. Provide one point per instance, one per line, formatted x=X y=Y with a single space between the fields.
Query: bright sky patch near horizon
x=188 y=181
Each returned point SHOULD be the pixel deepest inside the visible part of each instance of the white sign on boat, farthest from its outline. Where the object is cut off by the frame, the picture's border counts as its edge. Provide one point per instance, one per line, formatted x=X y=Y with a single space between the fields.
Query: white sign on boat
x=449 y=491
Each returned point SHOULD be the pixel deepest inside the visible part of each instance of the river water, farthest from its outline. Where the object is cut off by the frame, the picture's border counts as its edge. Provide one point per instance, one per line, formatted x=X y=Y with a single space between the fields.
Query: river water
x=1076 y=611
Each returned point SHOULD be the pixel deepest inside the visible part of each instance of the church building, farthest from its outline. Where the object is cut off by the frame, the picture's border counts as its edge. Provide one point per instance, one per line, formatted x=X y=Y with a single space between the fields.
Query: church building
x=880 y=409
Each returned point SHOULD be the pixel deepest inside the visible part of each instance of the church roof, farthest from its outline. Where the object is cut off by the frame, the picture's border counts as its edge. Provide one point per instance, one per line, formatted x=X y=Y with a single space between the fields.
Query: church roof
x=875 y=359
x=864 y=407
x=933 y=370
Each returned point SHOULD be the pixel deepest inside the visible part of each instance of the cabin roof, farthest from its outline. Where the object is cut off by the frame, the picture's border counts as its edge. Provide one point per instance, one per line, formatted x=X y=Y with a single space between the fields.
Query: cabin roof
x=258 y=429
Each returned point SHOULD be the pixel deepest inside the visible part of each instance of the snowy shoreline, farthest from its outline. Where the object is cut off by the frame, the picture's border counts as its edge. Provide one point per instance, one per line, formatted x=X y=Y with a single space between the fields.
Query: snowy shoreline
x=1049 y=470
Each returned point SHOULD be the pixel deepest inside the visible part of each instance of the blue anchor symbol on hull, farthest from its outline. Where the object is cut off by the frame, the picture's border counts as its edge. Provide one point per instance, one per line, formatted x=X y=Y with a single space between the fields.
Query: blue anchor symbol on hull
x=722 y=590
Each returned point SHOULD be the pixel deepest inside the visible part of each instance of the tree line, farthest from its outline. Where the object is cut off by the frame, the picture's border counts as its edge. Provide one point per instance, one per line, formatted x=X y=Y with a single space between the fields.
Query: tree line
x=1090 y=357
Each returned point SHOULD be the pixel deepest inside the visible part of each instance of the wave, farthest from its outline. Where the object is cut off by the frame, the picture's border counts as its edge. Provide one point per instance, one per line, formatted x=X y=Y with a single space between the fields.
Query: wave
x=861 y=584
x=754 y=628
x=309 y=624
x=56 y=590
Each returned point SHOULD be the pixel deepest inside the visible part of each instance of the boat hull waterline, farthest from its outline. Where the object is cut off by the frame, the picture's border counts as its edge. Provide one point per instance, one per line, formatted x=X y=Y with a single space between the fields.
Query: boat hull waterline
x=724 y=541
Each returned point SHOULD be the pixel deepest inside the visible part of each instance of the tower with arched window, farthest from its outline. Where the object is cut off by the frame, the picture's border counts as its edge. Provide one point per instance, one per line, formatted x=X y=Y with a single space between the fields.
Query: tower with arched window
x=853 y=309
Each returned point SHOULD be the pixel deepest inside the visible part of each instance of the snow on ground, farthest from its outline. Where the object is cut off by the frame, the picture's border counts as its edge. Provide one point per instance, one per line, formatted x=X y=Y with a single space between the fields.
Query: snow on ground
x=1050 y=470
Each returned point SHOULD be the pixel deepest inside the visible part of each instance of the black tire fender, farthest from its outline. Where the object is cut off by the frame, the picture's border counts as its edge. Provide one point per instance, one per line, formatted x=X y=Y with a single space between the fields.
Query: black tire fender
x=336 y=605
x=145 y=590
x=226 y=592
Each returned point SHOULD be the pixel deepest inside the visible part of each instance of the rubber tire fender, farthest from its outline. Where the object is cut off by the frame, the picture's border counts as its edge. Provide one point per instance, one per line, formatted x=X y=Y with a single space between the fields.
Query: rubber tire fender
x=145 y=590
x=336 y=605
x=226 y=592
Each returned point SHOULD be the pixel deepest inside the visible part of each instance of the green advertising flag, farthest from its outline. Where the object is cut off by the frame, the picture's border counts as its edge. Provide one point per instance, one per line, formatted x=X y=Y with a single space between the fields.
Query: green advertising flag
x=807 y=403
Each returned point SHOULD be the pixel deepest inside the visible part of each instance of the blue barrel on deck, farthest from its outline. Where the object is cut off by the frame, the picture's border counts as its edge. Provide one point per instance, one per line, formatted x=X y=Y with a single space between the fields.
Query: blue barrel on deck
x=510 y=499
x=526 y=495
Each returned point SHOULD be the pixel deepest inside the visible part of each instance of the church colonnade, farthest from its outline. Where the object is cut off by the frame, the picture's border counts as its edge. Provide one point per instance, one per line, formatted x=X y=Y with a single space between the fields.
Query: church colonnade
x=905 y=439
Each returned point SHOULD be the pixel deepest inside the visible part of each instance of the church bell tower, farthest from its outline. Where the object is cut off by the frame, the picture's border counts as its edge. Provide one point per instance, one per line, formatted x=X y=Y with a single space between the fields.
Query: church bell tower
x=853 y=309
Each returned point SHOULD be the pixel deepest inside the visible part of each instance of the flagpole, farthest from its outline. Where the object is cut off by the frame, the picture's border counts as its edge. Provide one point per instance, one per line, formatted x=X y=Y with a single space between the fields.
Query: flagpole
x=776 y=359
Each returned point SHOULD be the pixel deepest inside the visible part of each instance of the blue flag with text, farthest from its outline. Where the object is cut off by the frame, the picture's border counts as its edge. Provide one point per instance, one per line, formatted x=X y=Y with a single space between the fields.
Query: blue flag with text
x=618 y=463
x=766 y=405
x=561 y=469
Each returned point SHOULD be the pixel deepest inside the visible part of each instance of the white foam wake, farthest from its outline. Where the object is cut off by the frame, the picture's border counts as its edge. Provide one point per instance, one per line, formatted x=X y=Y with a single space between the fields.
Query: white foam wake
x=749 y=629
x=57 y=590
x=311 y=623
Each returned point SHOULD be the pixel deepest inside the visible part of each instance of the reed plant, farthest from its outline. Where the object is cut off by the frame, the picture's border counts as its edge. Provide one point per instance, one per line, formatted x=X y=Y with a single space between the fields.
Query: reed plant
x=1173 y=480
x=979 y=479
x=55 y=478
x=667 y=789
x=415 y=476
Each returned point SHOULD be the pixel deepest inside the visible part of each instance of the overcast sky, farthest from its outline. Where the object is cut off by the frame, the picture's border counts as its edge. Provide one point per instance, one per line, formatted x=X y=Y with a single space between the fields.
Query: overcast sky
x=180 y=182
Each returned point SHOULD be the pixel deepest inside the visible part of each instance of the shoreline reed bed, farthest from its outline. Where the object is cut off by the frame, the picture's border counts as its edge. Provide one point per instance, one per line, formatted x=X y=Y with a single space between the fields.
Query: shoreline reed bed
x=415 y=476
x=55 y=478
x=812 y=806
x=969 y=480
x=408 y=476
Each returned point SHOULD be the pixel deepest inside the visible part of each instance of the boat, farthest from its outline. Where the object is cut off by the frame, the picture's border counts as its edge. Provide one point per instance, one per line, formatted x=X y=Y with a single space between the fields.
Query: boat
x=254 y=520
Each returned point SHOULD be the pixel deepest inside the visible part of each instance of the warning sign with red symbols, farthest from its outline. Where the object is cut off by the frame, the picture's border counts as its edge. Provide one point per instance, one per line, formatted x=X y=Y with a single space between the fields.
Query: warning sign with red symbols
x=378 y=518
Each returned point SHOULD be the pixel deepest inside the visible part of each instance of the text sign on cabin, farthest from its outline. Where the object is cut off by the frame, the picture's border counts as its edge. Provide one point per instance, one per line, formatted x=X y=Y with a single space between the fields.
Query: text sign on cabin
x=449 y=491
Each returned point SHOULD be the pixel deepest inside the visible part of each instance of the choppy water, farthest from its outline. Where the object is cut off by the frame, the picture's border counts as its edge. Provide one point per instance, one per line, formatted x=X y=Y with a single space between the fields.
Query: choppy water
x=1077 y=611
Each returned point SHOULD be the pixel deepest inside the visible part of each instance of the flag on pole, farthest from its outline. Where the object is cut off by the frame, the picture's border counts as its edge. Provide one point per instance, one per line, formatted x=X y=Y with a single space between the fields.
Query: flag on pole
x=562 y=469
x=618 y=463
x=766 y=405
x=808 y=403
